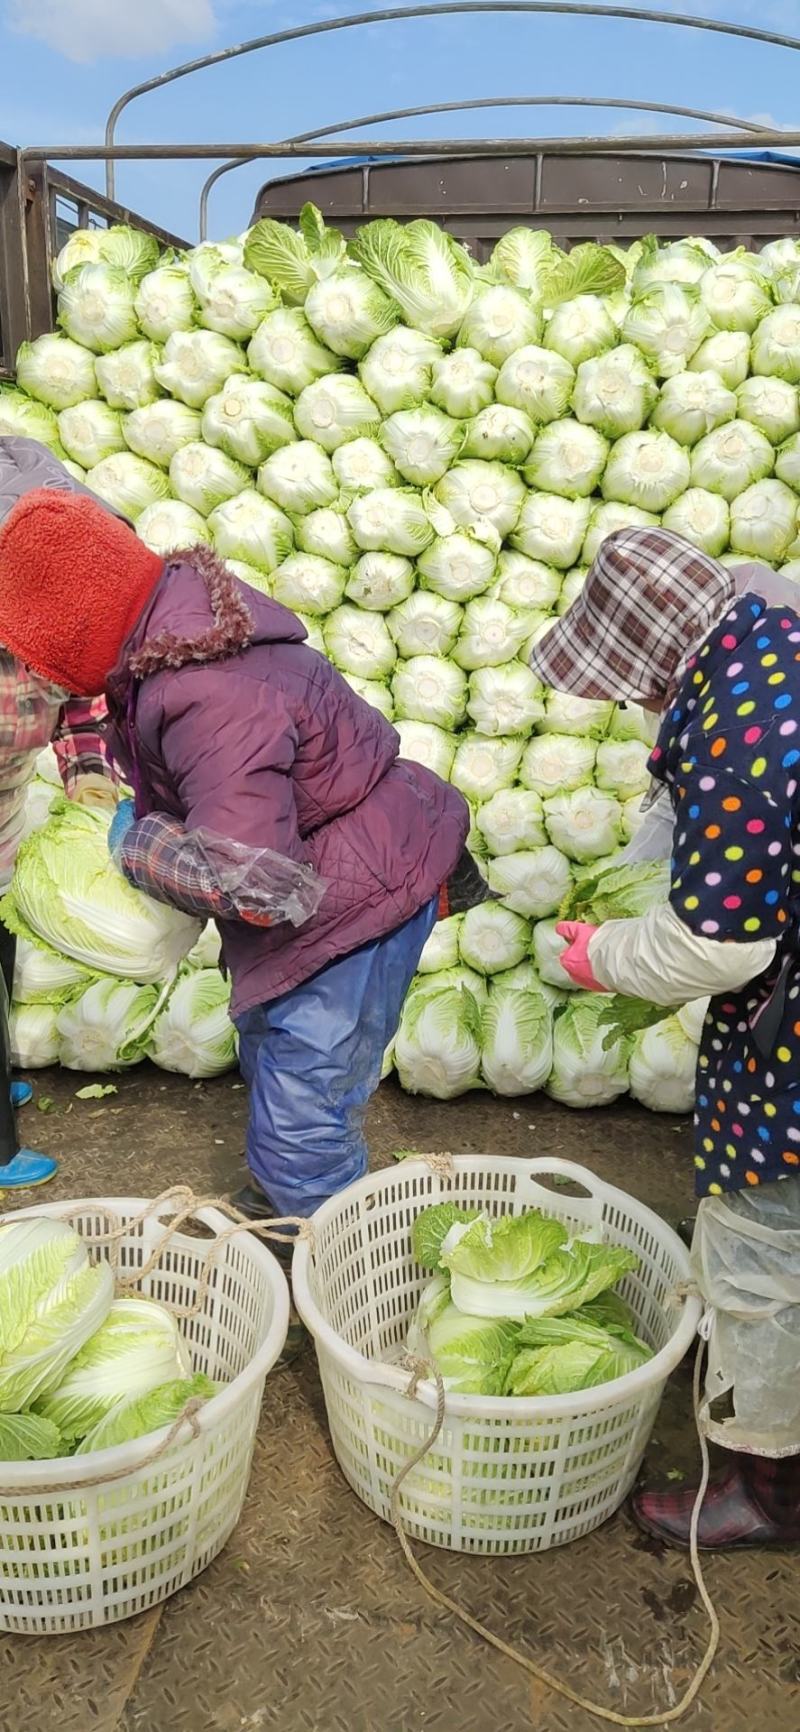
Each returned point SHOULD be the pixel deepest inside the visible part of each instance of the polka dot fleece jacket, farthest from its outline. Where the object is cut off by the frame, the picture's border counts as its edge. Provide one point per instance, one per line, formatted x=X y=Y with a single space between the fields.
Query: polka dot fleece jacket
x=729 y=752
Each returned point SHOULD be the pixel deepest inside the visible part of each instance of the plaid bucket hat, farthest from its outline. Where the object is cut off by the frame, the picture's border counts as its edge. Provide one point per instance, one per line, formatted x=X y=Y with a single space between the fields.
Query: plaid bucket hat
x=649 y=599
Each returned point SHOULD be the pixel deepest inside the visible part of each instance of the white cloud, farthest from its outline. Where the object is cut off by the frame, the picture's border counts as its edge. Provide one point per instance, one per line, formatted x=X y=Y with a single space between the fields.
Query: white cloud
x=769 y=120
x=88 y=30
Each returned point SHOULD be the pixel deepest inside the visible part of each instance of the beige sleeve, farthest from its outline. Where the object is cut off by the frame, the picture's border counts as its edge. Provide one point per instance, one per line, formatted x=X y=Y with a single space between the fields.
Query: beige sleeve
x=657 y=958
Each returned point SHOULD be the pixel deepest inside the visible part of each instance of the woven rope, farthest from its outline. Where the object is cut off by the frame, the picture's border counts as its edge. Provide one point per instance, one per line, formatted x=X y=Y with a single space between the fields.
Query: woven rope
x=420 y=1369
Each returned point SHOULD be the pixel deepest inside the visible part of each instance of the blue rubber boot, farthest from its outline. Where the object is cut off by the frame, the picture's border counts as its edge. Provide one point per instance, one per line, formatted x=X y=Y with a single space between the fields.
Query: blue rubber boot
x=19 y=1168
x=26 y=1169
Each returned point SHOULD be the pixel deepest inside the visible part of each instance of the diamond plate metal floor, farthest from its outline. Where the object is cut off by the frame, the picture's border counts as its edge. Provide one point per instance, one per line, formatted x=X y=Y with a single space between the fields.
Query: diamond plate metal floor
x=310 y=1621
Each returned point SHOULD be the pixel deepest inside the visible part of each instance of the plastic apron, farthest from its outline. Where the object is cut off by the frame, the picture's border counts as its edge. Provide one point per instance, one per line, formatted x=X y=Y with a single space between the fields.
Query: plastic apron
x=746 y=1261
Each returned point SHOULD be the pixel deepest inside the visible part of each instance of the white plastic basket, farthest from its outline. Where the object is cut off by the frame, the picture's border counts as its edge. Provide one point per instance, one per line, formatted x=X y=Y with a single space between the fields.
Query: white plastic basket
x=74 y=1559
x=507 y=1474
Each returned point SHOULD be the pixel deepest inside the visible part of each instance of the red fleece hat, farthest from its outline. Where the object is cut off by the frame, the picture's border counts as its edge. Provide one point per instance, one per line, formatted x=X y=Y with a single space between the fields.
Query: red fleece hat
x=73 y=582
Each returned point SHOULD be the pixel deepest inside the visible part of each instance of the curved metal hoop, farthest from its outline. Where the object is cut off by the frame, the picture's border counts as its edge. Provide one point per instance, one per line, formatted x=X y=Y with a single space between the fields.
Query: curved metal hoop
x=443 y=8
x=471 y=104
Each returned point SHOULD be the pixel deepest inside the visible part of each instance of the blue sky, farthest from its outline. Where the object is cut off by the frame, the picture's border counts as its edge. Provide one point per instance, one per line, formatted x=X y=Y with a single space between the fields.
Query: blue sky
x=66 y=61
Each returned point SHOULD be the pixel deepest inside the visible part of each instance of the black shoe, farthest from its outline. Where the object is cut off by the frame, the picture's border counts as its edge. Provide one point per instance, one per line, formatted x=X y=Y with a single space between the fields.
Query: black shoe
x=254 y=1203
x=257 y=1206
x=686 y=1229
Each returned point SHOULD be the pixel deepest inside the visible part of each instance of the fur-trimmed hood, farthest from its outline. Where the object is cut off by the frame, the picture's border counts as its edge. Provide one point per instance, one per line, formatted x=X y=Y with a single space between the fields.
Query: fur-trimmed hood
x=199 y=612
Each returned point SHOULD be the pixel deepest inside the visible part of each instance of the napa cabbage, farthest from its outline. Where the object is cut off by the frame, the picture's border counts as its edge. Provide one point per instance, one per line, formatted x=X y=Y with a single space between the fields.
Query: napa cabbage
x=52 y=1299
x=522 y=1266
x=493 y=938
x=57 y=372
x=517 y=1041
x=68 y=895
x=136 y=1347
x=423 y=271
x=438 y=1045
x=106 y=1027
x=196 y=364
x=193 y=1035
x=249 y=419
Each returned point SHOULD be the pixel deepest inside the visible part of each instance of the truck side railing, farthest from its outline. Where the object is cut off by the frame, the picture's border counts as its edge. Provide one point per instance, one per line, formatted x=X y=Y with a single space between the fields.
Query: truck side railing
x=39 y=208
x=470 y=105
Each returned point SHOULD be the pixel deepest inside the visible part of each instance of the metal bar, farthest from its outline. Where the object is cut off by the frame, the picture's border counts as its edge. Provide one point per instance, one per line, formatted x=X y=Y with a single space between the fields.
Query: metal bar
x=538 y=174
x=65 y=187
x=471 y=103
x=450 y=8
x=15 y=320
x=39 y=243
x=647 y=143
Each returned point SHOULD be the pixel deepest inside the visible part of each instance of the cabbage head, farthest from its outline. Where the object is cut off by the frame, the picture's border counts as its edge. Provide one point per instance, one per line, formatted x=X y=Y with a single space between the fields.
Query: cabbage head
x=588 y=1069
x=523 y=1266
x=136 y=1348
x=498 y=322
x=52 y=1299
x=663 y=1066
x=473 y=1356
x=493 y=938
x=462 y=383
x=203 y=477
x=286 y=352
x=438 y=1046
x=56 y=371
x=248 y=419
x=129 y=484
x=424 y=273
x=68 y=895
x=193 y=1034
x=106 y=1026
x=127 y=377
x=95 y=308
x=138 y=1415
x=170 y=526
x=33 y=1031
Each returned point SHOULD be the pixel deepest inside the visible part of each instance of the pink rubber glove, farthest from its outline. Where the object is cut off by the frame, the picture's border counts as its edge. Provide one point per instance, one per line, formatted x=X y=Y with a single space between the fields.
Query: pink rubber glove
x=575 y=959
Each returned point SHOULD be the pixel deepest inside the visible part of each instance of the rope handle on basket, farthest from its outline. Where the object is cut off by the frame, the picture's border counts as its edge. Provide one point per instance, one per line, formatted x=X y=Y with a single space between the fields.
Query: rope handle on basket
x=187 y=1416
x=187 y=1208
x=421 y=1369
x=441 y=1164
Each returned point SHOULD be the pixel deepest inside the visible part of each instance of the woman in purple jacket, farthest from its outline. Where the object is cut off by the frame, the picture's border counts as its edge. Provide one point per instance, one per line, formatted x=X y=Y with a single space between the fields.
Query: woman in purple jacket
x=226 y=723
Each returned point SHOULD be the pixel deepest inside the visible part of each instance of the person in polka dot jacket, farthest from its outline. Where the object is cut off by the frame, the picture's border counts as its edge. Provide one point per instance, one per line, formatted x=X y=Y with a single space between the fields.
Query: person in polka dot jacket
x=715 y=651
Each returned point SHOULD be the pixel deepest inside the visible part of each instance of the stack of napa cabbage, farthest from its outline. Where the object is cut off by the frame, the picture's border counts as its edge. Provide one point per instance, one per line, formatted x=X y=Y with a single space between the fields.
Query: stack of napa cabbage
x=421 y=455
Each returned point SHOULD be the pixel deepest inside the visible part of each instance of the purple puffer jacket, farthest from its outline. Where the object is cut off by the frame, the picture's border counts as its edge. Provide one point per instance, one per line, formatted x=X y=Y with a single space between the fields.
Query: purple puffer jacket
x=224 y=718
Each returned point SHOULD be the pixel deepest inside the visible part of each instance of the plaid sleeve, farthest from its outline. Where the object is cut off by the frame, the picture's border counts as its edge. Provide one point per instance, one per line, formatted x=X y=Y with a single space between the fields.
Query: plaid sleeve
x=153 y=858
x=79 y=742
